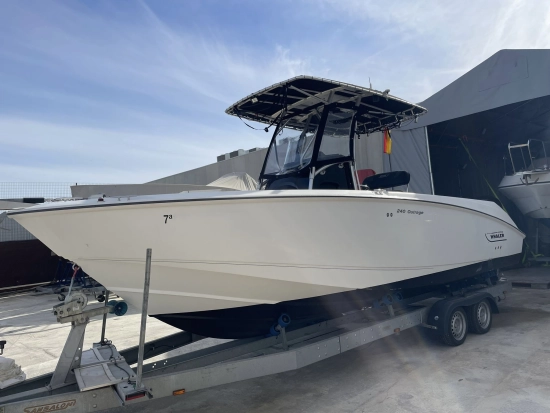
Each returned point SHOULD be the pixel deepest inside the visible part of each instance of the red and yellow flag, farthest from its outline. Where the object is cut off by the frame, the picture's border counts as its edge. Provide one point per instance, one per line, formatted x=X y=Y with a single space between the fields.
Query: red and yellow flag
x=387 y=142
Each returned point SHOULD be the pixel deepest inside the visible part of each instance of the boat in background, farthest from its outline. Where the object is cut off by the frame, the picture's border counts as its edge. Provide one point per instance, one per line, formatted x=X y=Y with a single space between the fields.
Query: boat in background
x=312 y=242
x=529 y=186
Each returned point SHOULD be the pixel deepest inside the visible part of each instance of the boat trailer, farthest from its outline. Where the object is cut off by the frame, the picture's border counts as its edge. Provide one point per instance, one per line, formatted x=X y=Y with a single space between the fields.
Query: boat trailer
x=101 y=378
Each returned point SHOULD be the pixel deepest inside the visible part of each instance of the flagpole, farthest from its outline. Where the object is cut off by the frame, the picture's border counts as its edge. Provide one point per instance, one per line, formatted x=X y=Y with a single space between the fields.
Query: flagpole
x=388 y=145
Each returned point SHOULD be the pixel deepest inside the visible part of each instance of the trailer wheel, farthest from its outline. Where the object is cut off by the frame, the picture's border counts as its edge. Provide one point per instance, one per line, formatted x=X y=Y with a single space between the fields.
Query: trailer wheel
x=457 y=328
x=100 y=298
x=480 y=317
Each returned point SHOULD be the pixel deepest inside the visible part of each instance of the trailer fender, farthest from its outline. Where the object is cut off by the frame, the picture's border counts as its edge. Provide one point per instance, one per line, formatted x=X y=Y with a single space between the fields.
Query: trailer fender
x=441 y=310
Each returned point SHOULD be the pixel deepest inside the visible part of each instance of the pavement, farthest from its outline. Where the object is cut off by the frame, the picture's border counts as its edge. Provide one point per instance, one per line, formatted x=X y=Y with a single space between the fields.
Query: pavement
x=506 y=370
x=536 y=277
x=35 y=339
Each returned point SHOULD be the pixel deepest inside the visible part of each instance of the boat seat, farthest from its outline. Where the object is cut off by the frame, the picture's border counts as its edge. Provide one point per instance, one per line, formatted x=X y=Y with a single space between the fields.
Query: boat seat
x=387 y=180
x=337 y=176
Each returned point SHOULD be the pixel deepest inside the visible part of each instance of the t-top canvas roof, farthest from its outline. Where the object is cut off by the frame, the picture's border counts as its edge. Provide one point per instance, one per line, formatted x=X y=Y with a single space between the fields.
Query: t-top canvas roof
x=303 y=95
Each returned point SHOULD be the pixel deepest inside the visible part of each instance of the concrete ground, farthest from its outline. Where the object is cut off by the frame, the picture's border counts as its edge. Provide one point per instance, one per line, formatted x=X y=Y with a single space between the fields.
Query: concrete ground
x=506 y=370
x=536 y=277
x=35 y=339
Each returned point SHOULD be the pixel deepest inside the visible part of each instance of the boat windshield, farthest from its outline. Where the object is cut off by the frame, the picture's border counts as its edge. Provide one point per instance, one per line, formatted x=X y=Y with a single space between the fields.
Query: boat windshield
x=290 y=152
x=335 y=143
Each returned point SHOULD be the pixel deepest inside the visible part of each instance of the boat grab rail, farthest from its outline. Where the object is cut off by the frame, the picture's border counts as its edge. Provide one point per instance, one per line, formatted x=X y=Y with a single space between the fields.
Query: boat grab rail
x=528 y=146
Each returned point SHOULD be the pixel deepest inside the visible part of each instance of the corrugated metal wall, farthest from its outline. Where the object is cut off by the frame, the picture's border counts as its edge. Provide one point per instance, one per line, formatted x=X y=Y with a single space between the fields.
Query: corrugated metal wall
x=26 y=262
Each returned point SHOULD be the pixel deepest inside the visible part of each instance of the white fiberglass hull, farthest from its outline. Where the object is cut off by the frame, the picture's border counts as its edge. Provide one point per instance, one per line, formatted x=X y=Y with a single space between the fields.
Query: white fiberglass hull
x=530 y=191
x=223 y=250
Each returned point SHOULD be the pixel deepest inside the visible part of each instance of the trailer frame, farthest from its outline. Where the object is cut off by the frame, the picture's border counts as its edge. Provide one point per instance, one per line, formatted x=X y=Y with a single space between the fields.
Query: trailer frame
x=228 y=362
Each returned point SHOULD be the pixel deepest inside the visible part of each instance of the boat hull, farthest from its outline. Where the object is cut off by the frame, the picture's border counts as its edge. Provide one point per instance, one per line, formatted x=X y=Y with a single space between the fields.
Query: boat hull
x=531 y=193
x=256 y=320
x=269 y=247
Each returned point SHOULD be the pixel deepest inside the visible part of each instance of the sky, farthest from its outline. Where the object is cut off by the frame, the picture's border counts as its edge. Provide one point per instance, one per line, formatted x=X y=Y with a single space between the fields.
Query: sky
x=132 y=91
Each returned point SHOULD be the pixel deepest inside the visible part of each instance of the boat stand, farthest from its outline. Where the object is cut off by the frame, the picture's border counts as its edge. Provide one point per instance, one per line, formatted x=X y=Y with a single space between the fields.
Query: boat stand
x=101 y=378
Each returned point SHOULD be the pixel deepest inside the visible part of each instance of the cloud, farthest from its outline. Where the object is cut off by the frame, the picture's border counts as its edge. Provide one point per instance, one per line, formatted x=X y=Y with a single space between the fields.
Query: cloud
x=131 y=92
x=425 y=45
x=146 y=99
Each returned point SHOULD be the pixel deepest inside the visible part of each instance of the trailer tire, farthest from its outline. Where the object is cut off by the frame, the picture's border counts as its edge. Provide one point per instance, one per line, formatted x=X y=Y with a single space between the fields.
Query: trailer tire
x=457 y=328
x=480 y=317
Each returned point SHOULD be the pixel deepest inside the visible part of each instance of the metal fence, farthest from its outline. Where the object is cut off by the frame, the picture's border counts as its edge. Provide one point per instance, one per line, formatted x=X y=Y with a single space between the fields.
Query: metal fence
x=11 y=230
x=35 y=189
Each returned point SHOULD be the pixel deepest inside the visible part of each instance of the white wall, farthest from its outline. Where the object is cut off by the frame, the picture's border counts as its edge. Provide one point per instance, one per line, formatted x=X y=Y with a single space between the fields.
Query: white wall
x=368 y=152
x=251 y=163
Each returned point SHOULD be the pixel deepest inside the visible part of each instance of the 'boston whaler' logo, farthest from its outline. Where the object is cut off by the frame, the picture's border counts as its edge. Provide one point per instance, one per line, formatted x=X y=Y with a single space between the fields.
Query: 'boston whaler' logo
x=495 y=236
x=52 y=407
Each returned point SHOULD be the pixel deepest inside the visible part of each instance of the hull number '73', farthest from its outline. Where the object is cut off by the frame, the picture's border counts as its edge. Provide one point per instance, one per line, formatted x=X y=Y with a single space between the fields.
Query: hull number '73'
x=166 y=218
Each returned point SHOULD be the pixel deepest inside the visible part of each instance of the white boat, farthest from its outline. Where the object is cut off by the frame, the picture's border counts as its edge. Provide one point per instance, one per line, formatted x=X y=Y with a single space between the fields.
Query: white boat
x=529 y=186
x=227 y=264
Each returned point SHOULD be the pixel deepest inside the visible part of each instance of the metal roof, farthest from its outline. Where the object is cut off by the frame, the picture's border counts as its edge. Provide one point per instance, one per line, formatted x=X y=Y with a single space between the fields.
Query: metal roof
x=507 y=77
